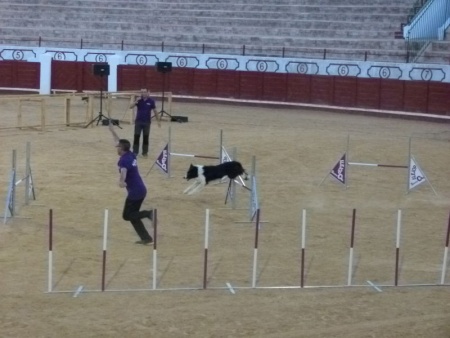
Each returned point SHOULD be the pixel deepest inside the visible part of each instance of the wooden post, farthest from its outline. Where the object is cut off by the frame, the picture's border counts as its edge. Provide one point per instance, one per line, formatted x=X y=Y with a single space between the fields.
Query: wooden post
x=43 y=114
x=19 y=114
x=132 y=100
x=67 y=110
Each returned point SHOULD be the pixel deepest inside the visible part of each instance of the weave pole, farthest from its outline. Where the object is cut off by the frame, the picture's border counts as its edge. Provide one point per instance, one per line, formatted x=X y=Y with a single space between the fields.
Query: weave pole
x=347 y=156
x=233 y=182
x=105 y=236
x=221 y=145
x=303 y=242
x=8 y=204
x=252 y=186
x=50 y=251
x=350 y=255
x=155 y=252
x=409 y=166
x=397 y=246
x=255 y=250
x=13 y=192
x=169 y=151
x=205 y=258
x=444 y=261
x=27 y=174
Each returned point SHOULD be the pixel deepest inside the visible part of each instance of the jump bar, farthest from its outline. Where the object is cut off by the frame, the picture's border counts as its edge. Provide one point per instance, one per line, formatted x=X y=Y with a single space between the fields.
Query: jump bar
x=191 y=155
x=378 y=165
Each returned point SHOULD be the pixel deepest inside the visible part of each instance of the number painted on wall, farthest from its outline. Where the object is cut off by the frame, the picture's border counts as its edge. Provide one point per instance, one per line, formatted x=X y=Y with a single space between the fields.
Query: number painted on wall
x=141 y=60
x=182 y=62
x=18 y=55
x=100 y=58
x=261 y=66
x=302 y=68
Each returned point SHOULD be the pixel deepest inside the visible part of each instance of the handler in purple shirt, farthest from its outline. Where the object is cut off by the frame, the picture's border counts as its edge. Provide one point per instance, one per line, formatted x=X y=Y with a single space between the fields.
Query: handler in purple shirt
x=145 y=105
x=136 y=190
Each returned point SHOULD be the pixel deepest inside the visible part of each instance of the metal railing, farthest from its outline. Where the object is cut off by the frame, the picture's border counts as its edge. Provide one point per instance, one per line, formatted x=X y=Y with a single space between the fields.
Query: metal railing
x=423 y=26
x=223 y=49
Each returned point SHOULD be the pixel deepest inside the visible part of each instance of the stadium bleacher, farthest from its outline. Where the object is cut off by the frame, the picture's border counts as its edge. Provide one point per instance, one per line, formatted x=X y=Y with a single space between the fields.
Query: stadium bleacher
x=332 y=29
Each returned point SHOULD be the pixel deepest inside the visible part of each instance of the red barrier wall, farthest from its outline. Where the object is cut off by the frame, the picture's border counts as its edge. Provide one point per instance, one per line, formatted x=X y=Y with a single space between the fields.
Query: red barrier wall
x=73 y=75
x=399 y=95
x=20 y=74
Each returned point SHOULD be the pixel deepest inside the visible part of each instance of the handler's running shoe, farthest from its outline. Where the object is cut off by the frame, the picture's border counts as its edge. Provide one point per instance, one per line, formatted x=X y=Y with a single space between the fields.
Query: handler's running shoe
x=145 y=242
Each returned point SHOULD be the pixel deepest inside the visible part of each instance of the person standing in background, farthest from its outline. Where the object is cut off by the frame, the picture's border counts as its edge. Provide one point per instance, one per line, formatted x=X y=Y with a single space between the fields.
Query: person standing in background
x=142 y=122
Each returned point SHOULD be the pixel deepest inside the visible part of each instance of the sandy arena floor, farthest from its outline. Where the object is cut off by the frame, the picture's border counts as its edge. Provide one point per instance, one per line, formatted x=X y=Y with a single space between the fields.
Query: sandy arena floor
x=75 y=174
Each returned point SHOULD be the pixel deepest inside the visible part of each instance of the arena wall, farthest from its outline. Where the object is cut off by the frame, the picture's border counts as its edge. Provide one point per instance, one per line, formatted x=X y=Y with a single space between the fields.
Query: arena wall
x=414 y=88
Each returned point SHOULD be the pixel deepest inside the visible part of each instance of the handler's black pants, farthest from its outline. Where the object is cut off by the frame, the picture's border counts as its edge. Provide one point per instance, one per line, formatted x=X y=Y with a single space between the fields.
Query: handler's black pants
x=132 y=214
x=144 y=128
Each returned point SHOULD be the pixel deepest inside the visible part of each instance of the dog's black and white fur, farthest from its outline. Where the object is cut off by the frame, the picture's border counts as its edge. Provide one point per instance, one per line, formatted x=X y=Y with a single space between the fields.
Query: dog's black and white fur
x=205 y=174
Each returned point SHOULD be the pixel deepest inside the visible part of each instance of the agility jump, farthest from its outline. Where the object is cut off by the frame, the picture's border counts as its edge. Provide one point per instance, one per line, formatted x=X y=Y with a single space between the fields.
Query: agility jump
x=415 y=175
x=10 y=210
x=163 y=162
x=164 y=159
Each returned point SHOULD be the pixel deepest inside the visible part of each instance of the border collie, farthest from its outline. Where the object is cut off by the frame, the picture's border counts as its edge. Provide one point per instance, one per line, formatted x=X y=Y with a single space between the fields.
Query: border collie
x=205 y=174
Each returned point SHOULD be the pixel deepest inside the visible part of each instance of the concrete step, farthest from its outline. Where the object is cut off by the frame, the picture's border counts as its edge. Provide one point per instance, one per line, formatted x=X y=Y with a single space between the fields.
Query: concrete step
x=53 y=17
x=232 y=11
x=434 y=57
x=145 y=4
x=296 y=8
x=199 y=30
x=440 y=46
x=304 y=2
x=119 y=15
x=118 y=36
x=354 y=17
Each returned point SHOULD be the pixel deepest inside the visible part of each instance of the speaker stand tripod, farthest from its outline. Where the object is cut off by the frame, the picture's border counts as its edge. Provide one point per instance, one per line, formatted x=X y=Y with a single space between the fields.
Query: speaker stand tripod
x=163 y=112
x=100 y=116
x=164 y=68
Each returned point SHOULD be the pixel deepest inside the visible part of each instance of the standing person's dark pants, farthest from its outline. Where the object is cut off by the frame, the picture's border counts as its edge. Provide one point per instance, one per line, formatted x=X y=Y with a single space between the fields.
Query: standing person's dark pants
x=144 y=128
x=131 y=213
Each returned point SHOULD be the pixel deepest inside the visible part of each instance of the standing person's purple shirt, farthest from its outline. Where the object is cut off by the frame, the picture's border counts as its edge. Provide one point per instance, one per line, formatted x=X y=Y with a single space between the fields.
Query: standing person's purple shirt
x=144 y=109
x=135 y=185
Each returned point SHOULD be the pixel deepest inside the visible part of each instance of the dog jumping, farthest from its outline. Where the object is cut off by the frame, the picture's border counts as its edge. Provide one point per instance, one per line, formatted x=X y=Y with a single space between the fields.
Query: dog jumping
x=203 y=174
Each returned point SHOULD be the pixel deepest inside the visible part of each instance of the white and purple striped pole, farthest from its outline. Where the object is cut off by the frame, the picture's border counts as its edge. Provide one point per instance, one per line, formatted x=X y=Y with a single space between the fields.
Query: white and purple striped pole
x=445 y=259
x=193 y=155
x=205 y=258
x=378 y=165
x=105 y=236
x=255 y=250
x=50 y=251
x=397 y=246
x=155 y=252
x=350 y=256
x=303 y=243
